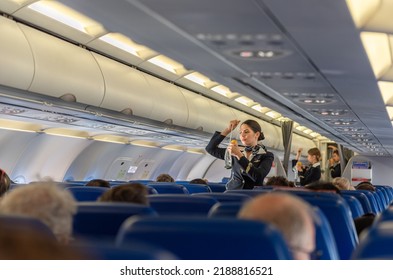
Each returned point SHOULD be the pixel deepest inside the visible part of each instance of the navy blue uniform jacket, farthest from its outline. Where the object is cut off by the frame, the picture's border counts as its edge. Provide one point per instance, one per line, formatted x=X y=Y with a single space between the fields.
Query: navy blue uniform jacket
x=245 y=174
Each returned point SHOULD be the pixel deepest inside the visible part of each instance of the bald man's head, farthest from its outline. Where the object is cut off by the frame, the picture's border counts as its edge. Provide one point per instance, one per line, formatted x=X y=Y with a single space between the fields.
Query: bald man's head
x=290 y=214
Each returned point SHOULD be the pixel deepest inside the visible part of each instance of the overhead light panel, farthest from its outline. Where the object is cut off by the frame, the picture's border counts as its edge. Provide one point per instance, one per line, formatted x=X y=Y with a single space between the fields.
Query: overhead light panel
x=261 y=109
x=273 y=114
x=166 y=63
x=177 y=148
x=224 y=91
x=145 y=143
x=245 y=101
x=196 y=151
x=19 y=126
x=362 y=10
x=198 y=78
x=386 y=89
x=111 y=139
x=390 y=112
x=65 y=132
x=122 y=42
x=377 y=47
x=66 y=15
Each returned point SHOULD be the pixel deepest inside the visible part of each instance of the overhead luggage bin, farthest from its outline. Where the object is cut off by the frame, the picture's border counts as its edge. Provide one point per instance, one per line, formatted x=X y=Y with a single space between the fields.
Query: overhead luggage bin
x=199 y=111
x=17 y=63
x=125 y=88
x=169 y=103
x=63 y=68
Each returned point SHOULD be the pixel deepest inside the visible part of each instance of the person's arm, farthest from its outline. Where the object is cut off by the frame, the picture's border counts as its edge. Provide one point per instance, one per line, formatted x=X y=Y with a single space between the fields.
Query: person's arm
x=212 y=147
x=258 y=171
x=295 y=161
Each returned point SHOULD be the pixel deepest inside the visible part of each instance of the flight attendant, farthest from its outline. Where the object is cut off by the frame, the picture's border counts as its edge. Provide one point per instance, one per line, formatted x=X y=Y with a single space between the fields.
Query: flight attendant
x=249 y=166
x=312 y=172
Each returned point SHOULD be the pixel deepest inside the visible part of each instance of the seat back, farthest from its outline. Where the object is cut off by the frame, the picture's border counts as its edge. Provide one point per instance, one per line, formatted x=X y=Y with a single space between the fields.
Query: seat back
x=108 y=251
x=384 y=216
x=377 y=243
x=101 y=220
x=168 y=188
x=326 y=245
x=251 y=193
x=363 y=199
x=217 y=187
x=178 y=204
x=225 y=209
x=86 y=193
x=24 y=223
x=225 y=197
x=207 y=239
x=354 y=204
x=339 y=216
x=197 y=188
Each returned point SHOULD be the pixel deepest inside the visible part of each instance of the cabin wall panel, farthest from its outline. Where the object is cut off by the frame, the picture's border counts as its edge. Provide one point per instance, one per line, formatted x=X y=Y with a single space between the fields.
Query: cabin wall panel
x=48 y=157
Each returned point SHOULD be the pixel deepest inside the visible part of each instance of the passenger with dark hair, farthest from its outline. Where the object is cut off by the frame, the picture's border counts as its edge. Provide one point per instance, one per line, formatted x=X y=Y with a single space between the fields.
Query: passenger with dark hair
x=98 y=183
x=5 y=182
x=292 y=216
x=165 y=178
x=132 y=192
x=277 y=181
x=199 y=181
x=312 y=172
x=249 y=166
x=322 y=186
x=365 y=186
x=364 y=222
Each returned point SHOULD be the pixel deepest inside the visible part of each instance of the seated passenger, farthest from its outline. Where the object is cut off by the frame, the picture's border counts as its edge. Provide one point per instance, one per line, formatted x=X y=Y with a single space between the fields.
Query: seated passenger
x=98 y=183
x=365 y=186
x=343 y=184
x=132 y=192
x=199 y=181
x=277 y=181
x=165 y=178
x=5 y=182
x=363 y=222
x=289 y=214
x=45 y=201
x=322 y=186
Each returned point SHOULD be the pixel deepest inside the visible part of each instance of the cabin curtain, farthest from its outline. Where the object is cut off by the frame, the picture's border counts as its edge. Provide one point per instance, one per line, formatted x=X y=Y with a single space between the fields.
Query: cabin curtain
x=286 y=129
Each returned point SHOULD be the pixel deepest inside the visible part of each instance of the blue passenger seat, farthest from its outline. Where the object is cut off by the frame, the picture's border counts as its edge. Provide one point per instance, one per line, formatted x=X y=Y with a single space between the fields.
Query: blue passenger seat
x=377 y=243
x=97 y=220
x=178 y=204
x=86 y=193
x=168 y=188
x=207 y=239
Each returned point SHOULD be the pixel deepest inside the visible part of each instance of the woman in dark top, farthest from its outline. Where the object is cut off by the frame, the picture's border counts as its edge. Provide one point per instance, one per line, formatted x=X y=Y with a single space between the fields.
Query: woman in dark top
x=311 y=173
x=250 y=166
